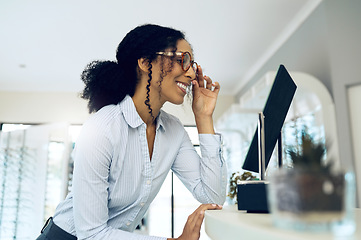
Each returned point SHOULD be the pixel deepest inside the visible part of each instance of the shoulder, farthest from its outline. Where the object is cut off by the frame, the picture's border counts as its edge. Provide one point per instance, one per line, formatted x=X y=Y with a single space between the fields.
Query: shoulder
x=171 y=123
x=104 y=117
x=104 y=123
x=170 y=119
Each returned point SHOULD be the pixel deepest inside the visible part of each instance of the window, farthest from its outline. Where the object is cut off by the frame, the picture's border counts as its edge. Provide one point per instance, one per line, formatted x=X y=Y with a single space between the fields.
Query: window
x=159 y=216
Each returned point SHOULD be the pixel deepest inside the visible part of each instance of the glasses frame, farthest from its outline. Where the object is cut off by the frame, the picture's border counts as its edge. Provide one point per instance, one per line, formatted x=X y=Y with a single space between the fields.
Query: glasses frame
x=182 y=55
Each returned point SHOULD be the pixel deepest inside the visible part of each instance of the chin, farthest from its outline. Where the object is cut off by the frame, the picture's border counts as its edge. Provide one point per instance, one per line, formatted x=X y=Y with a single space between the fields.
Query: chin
x=177 y=101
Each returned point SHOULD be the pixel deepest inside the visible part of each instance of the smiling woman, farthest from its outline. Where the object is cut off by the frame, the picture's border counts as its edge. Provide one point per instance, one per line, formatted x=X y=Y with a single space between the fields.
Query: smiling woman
x=126 y=149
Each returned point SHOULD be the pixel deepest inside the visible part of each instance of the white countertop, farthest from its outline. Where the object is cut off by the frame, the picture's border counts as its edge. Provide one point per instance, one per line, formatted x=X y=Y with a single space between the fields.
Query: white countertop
x=230 y=223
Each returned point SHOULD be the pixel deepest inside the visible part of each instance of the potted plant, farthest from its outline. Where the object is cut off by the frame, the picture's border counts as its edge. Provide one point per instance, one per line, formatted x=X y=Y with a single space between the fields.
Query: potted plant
x=233 y=180
x=312 y=195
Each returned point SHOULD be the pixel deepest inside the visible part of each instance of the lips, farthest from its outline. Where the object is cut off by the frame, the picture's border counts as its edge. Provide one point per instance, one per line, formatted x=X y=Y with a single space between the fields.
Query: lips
x=182 y=86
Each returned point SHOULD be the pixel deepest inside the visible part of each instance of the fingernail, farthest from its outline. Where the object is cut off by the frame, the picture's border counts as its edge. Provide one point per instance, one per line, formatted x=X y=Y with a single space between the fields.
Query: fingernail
x=220 y=206
x=214 y=205
x=201 y=212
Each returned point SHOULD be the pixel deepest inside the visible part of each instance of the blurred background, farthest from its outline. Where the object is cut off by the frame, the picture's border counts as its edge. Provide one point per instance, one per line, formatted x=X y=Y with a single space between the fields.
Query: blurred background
x=44 y=46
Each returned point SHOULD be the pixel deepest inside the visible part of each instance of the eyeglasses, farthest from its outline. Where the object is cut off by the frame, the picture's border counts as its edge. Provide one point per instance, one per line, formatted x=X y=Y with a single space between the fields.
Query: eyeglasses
x=184 y=58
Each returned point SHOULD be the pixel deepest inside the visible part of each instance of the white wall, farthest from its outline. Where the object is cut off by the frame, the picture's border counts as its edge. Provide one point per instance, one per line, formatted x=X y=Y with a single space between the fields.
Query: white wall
x=40 y=107
x=354 y=99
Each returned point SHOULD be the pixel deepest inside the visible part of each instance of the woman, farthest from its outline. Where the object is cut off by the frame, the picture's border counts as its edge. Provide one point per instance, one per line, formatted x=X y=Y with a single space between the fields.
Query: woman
x=126 y=149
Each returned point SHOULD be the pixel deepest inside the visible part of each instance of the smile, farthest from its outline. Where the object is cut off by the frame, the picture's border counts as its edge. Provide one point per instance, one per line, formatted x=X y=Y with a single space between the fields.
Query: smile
x=182 y=86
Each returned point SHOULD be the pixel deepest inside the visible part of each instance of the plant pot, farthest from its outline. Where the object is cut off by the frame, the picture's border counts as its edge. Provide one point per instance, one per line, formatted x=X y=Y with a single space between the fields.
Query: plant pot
x=311 y=200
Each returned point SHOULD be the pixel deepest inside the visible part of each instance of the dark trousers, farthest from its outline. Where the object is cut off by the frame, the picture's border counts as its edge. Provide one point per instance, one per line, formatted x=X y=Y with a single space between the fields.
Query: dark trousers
x=51 y=231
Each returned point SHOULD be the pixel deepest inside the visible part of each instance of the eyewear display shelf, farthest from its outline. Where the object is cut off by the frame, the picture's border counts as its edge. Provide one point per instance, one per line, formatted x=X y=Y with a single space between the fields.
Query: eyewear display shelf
x=231 y=224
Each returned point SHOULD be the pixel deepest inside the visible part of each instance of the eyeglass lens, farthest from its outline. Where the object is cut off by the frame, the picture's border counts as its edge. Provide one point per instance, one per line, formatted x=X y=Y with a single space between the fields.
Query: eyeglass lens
x=186 y=58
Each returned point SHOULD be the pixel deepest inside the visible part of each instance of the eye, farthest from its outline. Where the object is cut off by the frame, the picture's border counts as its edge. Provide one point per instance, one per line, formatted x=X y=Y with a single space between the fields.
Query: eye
x=187 y=58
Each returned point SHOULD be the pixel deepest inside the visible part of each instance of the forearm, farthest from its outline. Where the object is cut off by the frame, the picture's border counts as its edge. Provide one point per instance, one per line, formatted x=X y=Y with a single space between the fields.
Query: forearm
x=204 y=124
x=205 y=176
x=212 y=188
x=212 y=170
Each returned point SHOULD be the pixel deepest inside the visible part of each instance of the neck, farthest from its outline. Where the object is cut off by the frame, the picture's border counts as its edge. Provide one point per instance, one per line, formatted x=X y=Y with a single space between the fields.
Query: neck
x=139 y=100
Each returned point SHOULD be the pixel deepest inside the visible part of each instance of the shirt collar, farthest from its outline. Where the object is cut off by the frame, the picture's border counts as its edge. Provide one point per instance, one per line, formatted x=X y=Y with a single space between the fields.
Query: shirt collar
x=132 y=117
x=160 y=120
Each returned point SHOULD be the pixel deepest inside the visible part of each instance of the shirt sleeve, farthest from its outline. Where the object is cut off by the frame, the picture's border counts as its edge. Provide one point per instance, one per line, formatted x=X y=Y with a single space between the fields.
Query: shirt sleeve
x=93 y=156
x=204 y=177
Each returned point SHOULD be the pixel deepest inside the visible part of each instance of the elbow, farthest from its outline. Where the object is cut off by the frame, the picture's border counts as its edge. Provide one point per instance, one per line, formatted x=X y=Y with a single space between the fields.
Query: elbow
x=215 y=197
x=221 y=198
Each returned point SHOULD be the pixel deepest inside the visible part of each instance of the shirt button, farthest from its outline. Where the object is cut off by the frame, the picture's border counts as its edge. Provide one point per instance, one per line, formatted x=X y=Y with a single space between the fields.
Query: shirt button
x=142 y=204
x=128 y=223
x=148 y=182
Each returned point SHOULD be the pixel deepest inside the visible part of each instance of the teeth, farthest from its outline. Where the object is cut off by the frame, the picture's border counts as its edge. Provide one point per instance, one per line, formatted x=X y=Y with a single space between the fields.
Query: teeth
x=182 y=86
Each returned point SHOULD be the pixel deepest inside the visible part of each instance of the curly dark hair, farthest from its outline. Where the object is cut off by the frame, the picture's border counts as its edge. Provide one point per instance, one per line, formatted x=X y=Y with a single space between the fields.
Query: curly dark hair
x=108 y=82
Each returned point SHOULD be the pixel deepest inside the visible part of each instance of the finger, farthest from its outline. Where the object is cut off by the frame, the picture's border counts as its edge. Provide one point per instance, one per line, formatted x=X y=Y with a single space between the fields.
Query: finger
x=213 y=206
x=202 y=208
x=200 y=78
x=195 y=87
x=199 y=211
x=210 y=206
x=208 y=82
x=198 y=222
x=193 y=220
x=216 y=86
x=196 y=218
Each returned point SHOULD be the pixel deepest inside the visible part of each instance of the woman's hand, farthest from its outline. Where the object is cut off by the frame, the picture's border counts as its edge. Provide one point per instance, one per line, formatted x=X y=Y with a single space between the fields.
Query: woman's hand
x=192 y=228
x=205 y=94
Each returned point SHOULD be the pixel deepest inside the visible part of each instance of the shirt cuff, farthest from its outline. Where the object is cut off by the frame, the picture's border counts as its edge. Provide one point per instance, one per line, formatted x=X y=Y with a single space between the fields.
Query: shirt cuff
x=210 y=144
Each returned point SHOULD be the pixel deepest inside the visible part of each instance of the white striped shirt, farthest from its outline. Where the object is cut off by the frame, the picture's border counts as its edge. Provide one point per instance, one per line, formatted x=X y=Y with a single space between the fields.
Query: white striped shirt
x=115 y=181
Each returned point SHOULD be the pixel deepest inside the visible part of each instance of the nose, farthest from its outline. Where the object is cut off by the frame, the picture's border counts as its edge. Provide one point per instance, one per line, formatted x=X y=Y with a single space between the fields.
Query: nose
x=192 y=73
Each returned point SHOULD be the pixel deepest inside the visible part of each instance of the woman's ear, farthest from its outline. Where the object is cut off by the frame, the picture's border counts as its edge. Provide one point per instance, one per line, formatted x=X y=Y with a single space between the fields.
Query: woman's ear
x=143 y=65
